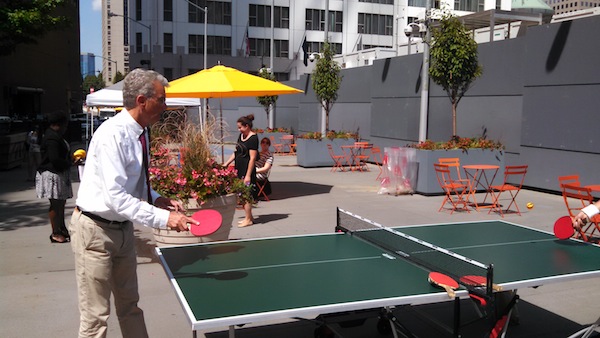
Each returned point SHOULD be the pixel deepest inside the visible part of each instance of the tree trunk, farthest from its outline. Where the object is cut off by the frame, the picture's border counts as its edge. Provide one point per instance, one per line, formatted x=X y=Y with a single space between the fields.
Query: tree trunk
x=454 y=118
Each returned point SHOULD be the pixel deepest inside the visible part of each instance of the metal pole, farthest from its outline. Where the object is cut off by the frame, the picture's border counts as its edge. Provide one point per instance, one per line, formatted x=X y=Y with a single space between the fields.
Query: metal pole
x=425 y=77
x=271 y=65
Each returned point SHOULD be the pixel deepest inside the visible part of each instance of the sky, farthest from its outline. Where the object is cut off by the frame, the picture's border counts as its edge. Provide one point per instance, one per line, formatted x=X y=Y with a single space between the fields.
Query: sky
x=91 y=29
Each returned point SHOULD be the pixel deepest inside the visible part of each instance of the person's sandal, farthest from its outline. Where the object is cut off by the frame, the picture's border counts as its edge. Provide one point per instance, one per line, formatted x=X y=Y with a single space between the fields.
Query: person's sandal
x=54 y=240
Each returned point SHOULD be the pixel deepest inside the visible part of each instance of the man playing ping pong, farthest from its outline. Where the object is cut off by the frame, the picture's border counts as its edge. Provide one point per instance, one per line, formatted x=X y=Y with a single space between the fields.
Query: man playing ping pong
x=115 y=192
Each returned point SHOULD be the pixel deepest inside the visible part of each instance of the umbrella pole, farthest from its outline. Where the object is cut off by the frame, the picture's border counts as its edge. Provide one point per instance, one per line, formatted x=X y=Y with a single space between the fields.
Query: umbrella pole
x=221 y=123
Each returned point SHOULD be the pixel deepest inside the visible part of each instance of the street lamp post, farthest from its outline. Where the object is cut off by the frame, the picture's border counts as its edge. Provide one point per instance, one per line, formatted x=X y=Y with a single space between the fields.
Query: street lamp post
x=107 y=59
x=149 y=27
x=425 y=76
x=205 y=10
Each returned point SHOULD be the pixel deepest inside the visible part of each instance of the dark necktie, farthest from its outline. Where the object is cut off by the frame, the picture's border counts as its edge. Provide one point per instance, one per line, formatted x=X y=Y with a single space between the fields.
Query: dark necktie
x=145 y=161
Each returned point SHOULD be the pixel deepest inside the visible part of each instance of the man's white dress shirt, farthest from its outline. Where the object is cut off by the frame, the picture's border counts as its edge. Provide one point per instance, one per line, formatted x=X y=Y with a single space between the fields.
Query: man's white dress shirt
x=113 y=185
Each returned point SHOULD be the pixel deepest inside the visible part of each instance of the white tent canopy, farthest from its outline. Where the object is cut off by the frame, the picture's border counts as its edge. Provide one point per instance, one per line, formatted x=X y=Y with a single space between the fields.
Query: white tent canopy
x=113 y=97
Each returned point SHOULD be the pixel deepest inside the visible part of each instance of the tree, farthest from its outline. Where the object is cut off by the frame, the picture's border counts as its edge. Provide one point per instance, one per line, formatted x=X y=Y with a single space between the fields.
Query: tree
x=266 y=101
x=118 y=77
x=24 y=21
x=454 y=64
x=92 y=81
x=326 y=81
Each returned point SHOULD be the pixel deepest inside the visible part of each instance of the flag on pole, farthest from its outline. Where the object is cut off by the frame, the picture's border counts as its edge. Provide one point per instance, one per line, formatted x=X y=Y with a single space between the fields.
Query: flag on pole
x=305 y=50
x=247 y=42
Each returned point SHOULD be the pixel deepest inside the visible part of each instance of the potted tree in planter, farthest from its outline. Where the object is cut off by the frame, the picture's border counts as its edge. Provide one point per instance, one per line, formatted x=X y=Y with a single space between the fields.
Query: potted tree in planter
x=184 y=167
x=454 y=66
x=311 y=151
x=268 y=102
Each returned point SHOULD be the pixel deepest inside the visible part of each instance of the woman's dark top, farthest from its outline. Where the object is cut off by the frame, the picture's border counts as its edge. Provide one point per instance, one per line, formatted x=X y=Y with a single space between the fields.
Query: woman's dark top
x=55 y=153
x=242 y=156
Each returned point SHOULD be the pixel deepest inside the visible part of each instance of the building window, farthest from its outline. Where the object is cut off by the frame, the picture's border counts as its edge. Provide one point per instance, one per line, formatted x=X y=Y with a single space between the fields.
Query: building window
x=168 y=10
x=168 y=43
x=168 y=73
x=376 y=24
x=217 y=45
x=219 y=12
x=386 y=2
x=260 y=16
x=315 y=20
x=262 y=47
x=138 y=42
x=315 y=47
x=138 y=10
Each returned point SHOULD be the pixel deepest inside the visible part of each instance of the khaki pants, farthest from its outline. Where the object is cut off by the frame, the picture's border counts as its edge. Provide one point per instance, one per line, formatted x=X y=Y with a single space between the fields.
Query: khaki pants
x=105 y=263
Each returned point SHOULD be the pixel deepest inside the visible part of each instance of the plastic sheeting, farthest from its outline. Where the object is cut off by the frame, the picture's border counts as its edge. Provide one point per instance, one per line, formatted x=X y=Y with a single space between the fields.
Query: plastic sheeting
x=399 y=171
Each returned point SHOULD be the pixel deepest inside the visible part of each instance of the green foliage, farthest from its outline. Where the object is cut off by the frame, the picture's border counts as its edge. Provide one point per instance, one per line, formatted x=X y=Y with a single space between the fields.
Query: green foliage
x=266 y=101
x=23 y=21
x=92 y=81
x=326 y=80
x=118 y=77
x=454 y=65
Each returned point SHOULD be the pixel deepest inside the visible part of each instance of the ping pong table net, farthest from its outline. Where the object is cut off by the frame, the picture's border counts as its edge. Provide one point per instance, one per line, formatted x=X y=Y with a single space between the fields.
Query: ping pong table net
x=419 y=252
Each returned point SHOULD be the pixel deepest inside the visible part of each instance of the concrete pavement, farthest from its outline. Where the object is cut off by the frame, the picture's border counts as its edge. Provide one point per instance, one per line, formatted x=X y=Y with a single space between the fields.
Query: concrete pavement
x=38 y=282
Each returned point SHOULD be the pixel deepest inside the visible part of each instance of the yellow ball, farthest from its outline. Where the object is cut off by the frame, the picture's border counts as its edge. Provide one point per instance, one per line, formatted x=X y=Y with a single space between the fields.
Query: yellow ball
x=529 y=205
x=79 y=153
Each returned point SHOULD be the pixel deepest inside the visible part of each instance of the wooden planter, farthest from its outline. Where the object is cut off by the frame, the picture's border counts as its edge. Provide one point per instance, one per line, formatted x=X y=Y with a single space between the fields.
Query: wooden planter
x=223 y=204
x=427 y=183
x=313 y=153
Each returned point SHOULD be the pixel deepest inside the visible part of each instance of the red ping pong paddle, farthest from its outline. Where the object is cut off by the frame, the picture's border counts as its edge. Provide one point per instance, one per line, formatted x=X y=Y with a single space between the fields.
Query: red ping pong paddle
x=443 y=281
x=473 y=280
x=563 y=228
x=210 y=220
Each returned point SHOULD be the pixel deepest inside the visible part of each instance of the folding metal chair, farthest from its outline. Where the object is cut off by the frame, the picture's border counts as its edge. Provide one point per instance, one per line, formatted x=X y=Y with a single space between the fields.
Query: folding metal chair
x=515 y=173
x=361 y=158
x=261 y=187
x=337 y=159
x=278 y=147
x=288 y=141
x=378 y=159
x=569 y=179
x=453 y=164
x=455 y=190
x=576 y=198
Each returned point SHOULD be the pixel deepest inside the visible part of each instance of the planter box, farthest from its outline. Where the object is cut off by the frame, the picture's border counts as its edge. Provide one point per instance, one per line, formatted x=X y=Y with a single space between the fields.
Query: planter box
x=314 y=153
x=223 y=204
x=427 y=183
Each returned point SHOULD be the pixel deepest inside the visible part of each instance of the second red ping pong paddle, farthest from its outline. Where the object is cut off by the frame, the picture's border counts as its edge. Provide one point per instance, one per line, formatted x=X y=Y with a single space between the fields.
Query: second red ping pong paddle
x=210 y=221
x=473 y=280
x=443 y=281
x=563 y=228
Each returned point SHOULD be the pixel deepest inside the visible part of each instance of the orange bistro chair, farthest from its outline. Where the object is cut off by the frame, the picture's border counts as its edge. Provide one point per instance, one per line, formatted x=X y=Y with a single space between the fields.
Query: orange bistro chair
x=512 y=173
x=377 y=157
x=361 y=157
x=577 y=197
x=455 y=190
x=278 y=147
x=569 y=179
x=337 y=159
x=261 y=187
x=288 y=140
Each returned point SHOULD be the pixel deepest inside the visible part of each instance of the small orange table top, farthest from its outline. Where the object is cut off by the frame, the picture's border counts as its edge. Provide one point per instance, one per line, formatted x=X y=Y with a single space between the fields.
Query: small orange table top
x=481 y=166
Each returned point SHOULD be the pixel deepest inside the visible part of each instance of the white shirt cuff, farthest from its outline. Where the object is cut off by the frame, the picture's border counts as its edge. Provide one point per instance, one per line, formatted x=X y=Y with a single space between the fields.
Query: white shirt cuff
x=591 y=211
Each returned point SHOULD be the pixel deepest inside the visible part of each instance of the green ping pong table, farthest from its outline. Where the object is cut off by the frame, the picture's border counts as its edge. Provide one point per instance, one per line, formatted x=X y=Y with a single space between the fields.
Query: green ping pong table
x=224 y=284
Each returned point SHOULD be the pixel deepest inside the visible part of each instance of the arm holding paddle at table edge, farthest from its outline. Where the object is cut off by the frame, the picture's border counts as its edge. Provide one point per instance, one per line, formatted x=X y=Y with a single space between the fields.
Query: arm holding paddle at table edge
x=586 y=214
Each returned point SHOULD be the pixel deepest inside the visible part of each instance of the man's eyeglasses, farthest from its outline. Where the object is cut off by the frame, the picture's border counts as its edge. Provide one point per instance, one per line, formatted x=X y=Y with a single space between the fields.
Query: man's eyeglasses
x=160 y=99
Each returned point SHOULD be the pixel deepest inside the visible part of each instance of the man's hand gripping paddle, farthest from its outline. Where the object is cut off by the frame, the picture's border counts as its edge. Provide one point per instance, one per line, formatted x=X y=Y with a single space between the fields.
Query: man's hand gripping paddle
x=443 y=281
x=210 y=221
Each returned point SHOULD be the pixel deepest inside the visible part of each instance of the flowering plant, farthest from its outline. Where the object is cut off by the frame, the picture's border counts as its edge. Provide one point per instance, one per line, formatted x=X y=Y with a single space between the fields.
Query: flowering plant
x=278 y=130
x=182 y=165
x=332 y=134
x=457 y=142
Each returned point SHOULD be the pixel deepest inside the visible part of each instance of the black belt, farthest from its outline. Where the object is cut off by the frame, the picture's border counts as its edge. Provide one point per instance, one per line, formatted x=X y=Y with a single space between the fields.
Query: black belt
x=100 y=219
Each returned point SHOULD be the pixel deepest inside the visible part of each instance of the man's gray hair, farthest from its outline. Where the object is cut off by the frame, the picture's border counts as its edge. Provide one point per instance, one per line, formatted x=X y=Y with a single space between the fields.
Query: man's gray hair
x=140 y=82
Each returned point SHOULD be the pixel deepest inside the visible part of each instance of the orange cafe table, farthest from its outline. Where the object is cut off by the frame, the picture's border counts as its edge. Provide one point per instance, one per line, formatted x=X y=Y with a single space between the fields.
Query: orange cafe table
x=479 y=179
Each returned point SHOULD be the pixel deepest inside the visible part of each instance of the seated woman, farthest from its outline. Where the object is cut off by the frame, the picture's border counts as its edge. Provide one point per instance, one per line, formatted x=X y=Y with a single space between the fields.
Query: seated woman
x=265 y=161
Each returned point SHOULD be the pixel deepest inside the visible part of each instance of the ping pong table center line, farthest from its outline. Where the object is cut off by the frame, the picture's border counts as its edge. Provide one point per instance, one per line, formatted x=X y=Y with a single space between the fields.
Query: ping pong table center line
x=298 y=264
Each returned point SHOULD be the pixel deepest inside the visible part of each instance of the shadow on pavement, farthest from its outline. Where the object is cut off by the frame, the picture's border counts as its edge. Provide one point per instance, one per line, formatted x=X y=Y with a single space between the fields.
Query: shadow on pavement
x=283 y=190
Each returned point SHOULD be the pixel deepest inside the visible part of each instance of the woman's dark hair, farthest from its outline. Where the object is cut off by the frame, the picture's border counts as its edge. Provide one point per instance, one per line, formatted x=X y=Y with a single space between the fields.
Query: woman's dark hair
x=57 y=117
x=246 y=120
x=266 y=140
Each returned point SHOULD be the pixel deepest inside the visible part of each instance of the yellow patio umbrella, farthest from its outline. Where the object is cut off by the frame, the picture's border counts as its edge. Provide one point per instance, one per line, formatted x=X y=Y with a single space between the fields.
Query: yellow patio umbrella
x=225 y=82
